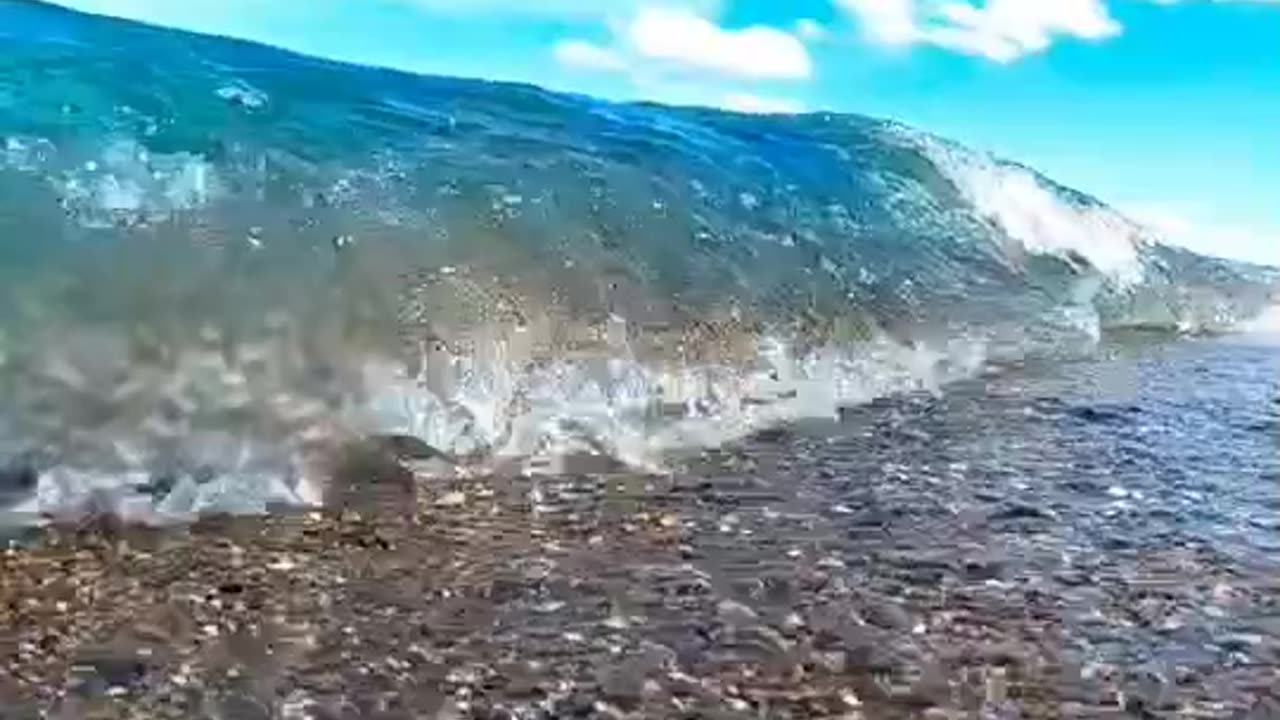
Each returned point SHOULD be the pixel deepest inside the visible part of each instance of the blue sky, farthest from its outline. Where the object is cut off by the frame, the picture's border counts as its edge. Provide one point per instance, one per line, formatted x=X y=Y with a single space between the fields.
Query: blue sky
x=1169 y=109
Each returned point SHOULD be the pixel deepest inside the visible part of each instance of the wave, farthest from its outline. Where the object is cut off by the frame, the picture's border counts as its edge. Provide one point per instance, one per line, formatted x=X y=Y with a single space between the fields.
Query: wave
x=1040 y=217
x=225 y=263
x=1266 y=323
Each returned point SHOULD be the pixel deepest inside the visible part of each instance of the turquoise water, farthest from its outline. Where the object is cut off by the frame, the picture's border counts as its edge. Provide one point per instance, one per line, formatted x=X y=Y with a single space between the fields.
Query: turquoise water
x=221 y=261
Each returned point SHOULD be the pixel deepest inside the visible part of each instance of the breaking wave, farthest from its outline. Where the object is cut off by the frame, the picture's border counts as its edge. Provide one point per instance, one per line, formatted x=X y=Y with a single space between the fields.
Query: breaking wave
x=223 y=263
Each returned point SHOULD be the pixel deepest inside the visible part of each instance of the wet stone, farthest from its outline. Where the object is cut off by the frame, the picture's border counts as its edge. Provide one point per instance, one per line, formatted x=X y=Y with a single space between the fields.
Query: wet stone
x=735 y=613
x=231 y=587
x=1015 y=511
x=887 y=614
x=369 y=478
x=982 y=570
x=1266 y=708
x=578 y=705
x=240 y=707
x=101 y=672
x=623 y=686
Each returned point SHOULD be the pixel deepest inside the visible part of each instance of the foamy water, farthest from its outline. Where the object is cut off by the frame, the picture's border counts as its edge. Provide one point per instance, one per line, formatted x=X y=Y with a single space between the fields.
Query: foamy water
x=1038 y=216
x=1266 y=325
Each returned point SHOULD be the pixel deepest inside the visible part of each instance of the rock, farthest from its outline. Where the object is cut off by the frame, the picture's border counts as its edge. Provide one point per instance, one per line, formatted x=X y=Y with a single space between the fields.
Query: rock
x=1103 y=414
x=793 y=623
x=452 y=499
x=888 y=615
x=623 y=686
x=99 y=671
x=408 y=447
x=983 y=569
x=435 y=468
x=240 y=707
x=1264 y=709
x=735 y=613
x=1240 y=643
x=931 y=690
x=231 y=588
x=1021 y=511
x=599 y=462
x=578 y=705
x=367 y=477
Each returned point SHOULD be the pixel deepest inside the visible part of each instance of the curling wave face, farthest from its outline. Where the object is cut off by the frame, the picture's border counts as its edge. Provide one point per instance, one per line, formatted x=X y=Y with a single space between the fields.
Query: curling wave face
x=222 y=263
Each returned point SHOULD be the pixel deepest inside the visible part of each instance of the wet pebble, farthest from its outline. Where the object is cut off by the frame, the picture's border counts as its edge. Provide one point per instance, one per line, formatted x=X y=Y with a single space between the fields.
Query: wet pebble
x=735 y=613
x=102 y=670
x=1014 y=511
x=452 y=500
x=242 y=707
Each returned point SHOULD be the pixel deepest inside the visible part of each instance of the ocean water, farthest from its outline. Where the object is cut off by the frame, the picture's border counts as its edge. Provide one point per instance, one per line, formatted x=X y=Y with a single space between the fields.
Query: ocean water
x=221 y=263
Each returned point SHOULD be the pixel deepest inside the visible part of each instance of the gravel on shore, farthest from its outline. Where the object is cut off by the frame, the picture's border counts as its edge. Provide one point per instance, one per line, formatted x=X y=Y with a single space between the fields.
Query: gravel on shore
x=597 y=597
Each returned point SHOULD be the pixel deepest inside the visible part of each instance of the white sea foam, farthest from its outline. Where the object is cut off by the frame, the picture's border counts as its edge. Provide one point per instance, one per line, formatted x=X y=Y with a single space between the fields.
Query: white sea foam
x=243 y=94
x=27 y=154
x=608 y=404
x=124 y=183
x=1037 y=216
x=1265 y=324
x=493 y=407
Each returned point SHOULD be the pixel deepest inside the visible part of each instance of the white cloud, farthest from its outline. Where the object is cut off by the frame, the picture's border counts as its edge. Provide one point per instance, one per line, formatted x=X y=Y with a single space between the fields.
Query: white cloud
x=811 y=30
x=678 y=56
x=583 y=55
x=1005 y=30
x=668 y=41
x=892 y=22
x=760 y=105
x=684 y=39
x=1000 y=30
x=681 y=58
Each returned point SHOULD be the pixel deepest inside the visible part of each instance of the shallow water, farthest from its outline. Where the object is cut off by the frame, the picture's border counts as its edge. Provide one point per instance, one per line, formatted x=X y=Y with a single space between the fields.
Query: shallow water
x=1088 y=540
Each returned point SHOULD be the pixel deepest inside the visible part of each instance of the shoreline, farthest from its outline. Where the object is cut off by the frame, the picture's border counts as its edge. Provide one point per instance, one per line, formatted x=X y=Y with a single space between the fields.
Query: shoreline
x=614 y=596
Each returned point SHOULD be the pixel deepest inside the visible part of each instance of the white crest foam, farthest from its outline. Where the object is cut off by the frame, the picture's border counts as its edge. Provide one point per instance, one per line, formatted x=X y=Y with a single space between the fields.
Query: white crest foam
x=1035 y=215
